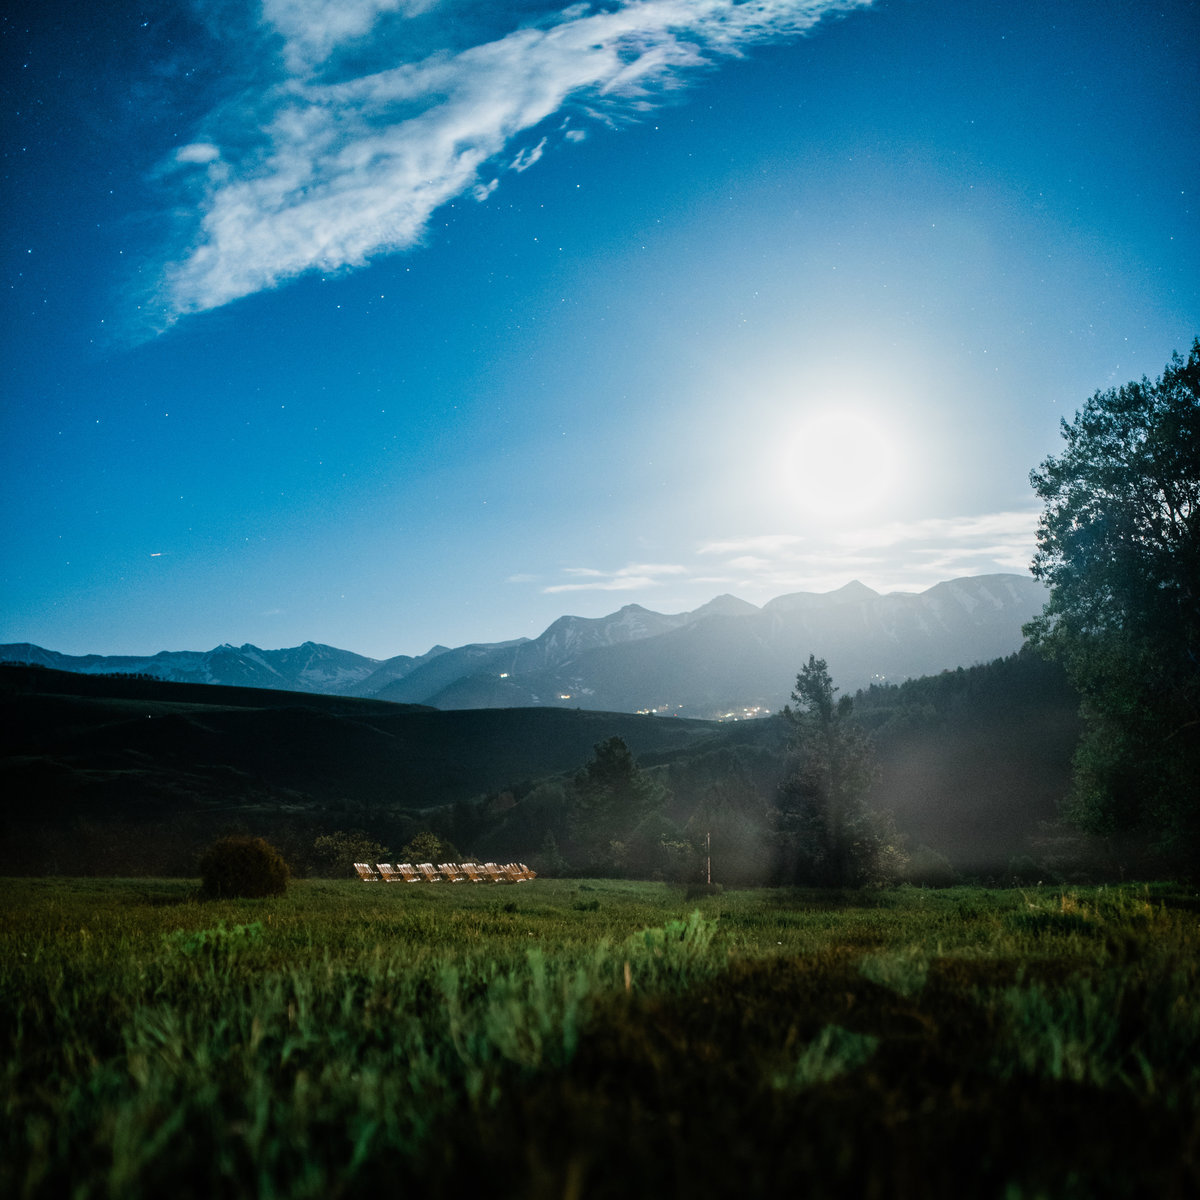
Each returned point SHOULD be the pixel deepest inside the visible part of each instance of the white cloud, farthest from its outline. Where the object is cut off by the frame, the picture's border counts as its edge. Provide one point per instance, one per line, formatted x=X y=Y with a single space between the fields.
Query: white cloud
x=953 y=545
x=763 y=543
x=312 y=29
x=324 y=170
x=626 y=583
x=527 y=157
x=897 y=556
x=197 y=152
x=908 y=555
x=632 y=578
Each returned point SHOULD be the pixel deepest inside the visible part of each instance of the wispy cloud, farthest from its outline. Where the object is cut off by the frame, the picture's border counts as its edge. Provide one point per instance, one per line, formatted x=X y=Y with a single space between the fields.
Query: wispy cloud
x=633 y=578
x=325 y=162
x=763 y=543
x=313 y=29
x=895 y=556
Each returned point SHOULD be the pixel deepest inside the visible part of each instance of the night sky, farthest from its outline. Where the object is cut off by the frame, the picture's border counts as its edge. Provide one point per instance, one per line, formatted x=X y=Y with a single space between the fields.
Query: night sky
x=384 y=323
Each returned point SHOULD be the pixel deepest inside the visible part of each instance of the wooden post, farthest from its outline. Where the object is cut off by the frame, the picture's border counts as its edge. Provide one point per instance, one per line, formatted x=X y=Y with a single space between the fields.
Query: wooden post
x=708 y=854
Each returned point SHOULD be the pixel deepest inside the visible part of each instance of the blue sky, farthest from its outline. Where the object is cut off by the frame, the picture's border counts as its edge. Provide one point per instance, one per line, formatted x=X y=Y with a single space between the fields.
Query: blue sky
x=384 y=323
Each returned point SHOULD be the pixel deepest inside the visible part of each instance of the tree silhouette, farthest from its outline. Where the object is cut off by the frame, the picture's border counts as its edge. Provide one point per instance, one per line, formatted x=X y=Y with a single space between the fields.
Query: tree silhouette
x=613 y=796
x=828 y=836
x=1119 y=546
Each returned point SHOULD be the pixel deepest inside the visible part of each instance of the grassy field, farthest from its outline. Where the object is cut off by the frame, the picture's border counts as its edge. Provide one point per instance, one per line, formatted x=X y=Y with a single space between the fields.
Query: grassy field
x=574 y=1039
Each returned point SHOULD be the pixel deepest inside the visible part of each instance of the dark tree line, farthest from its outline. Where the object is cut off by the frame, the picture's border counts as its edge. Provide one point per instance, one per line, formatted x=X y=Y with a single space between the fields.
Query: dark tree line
x=789 y=806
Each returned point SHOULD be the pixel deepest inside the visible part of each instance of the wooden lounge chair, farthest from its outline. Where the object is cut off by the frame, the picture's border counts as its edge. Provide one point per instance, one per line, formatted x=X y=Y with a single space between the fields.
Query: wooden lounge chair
x=428 y=873
x=409 y=873
x=529 y=874
x=495 y=874
x=452 y=872
x=472 y=872
x=514 y=873
x=366 y=872
x=388 y=874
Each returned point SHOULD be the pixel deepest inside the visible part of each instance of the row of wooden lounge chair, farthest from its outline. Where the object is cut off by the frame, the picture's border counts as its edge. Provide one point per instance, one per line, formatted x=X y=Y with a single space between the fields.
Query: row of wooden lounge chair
x=448 y=872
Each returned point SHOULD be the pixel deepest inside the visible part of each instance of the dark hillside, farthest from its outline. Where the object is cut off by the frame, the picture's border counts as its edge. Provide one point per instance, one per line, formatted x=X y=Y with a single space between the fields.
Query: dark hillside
x=104 y=774
x=973 y=760
x=23 y=679
x=87 y=753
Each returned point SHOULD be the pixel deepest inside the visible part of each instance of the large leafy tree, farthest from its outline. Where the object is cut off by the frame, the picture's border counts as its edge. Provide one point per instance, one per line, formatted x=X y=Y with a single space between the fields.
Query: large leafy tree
x=828 y=835
x=334 y=854
x=1119 y=547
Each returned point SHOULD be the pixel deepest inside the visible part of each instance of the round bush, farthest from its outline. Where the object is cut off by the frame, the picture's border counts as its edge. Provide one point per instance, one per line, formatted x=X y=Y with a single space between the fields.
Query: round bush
x=242 y=866
x=928 y=868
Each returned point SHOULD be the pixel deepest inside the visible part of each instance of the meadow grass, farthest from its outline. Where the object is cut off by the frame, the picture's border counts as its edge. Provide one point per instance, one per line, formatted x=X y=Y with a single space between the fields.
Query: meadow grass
x=600 y=1038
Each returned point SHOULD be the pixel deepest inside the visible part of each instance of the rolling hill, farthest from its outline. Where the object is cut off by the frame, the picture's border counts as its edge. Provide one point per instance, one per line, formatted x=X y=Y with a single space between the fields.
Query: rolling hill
x=116 y=752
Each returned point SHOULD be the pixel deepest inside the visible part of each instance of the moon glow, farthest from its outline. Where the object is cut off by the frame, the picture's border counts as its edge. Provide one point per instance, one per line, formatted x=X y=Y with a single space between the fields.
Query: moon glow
x=841 y=464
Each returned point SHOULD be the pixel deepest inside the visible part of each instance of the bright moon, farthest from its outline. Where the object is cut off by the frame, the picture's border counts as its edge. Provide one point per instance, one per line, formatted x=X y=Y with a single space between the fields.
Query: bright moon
x=842 y=464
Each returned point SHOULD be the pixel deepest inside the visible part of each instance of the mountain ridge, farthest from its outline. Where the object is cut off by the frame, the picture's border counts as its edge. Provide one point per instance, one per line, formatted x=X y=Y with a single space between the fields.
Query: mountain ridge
x=728 y=654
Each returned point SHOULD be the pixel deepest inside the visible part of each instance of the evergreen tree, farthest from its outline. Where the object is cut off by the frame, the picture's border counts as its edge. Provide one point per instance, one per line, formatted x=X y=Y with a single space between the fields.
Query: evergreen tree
x=612 y=797
x=827 y=834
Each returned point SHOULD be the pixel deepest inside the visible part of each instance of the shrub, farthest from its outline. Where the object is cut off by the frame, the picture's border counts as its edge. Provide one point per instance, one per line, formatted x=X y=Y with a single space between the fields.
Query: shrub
x=931 y=869
x=242 y=866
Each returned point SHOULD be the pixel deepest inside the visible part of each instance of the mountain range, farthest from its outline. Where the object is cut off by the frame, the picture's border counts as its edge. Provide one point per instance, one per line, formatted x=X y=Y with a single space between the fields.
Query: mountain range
x=726 y=659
